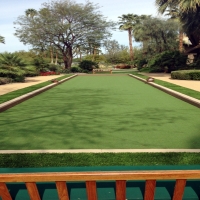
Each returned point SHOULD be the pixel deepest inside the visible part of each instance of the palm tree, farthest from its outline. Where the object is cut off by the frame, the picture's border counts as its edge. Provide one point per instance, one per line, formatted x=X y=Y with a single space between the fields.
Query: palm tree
x=2 y=40
x=183 y=11
x=175 y=14
x=31 y=13
x=128 y=22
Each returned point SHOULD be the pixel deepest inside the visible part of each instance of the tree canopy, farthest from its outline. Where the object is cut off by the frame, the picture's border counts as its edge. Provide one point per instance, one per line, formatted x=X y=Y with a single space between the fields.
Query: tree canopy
x=65 y=24
x=189 y=16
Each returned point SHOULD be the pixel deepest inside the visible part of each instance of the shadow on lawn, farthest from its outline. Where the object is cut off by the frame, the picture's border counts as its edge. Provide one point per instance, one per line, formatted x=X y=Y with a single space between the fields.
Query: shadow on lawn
x=86 y=118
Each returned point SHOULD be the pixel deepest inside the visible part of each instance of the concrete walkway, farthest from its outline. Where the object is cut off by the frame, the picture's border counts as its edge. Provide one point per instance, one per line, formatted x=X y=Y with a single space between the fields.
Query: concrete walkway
x=4 y=89
x=101 y=151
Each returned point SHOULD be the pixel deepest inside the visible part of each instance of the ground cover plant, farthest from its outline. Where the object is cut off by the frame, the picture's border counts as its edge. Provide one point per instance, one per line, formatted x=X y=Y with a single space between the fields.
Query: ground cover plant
x=97 y=159
x=101 y=112
x=17 y=93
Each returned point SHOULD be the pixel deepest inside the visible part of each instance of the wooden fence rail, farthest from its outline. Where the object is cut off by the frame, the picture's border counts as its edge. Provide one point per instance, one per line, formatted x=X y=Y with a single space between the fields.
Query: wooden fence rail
x=90 y=178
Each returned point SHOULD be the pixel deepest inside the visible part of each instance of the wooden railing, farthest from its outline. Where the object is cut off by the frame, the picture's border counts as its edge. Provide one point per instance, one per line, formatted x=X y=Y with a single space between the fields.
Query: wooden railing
x=90 y=178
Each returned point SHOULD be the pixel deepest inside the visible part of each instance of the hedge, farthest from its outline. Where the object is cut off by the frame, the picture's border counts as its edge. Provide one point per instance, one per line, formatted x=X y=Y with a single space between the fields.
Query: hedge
x=186 y=75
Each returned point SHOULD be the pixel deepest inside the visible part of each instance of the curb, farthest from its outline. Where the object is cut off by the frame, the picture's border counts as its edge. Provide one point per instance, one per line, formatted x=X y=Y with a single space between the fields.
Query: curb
x=186 y=98
x=13 y=102
x=43 y=151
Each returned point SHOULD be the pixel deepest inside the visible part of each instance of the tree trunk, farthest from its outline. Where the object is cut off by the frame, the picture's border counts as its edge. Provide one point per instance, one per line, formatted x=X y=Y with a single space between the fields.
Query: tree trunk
x=51 y=53
x=180 y=40
x=67 y=58
x=56 y=61
x=130 y=44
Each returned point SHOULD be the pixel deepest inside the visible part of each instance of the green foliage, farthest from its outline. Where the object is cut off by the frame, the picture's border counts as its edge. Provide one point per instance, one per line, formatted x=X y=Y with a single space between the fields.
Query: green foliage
x=141 y=63
x=31 y=71
x=168 y=60
x=82 y=22
x=76 y=69
x=19 y=79
x=40 y=63
x=186 y=75
x=88 y=65
x=10 y=59
x=12 y=72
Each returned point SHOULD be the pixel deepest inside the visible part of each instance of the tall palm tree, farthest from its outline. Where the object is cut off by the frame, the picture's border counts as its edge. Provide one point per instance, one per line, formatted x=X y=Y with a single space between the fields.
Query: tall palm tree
x=2 y=40
x=179 y=10
x=175 y=14
x=31 y=13
x=127 y=22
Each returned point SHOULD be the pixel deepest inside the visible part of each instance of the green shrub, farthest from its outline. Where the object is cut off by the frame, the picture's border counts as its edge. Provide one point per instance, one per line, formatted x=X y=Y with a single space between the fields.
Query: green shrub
x=31 y=71
x=186 y=75
x=65 y=71
x=88 y=65
x=40 y=63
x=140 y=63
x=11 y=59
x=53 y=67
x=76 y=69
x=170 y=60
x=19 y=79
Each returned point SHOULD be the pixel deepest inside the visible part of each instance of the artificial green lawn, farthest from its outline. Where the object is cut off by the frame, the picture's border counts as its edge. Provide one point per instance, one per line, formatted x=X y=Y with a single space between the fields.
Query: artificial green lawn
x=101 y=112
x=97 y=159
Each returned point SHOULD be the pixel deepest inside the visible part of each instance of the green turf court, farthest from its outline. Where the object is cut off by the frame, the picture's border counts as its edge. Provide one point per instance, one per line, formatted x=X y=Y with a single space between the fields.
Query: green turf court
x=101 y=112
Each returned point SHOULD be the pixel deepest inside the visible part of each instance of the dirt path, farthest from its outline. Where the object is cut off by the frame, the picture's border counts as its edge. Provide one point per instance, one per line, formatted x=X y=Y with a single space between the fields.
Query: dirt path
x=4 y=89
x=191 y=84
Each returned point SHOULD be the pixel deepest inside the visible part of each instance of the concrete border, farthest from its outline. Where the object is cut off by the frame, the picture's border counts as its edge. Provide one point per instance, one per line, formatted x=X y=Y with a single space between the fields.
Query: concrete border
x=186 y=98
x=6 y=105
x=42 y=151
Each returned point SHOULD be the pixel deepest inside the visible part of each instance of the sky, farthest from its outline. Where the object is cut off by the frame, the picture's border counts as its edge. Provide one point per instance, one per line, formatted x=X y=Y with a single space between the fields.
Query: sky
x=112 y=9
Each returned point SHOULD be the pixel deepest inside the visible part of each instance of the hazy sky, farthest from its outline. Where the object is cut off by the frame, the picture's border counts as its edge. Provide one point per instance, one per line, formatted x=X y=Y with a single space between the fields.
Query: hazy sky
x=112 y=9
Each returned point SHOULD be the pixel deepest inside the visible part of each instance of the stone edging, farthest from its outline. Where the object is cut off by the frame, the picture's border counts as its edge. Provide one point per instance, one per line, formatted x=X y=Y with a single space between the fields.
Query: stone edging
x=186 y=98
x=44 y=151
x=6 y=105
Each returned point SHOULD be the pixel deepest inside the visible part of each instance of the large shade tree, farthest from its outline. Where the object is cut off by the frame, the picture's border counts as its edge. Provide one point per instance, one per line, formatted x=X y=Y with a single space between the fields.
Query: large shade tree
x=64 y=24
x=157 y=35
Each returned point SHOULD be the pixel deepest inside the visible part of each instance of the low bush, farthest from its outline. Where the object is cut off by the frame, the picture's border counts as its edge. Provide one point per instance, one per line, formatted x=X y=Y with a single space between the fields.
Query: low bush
x=88 y=65
x=31 y=71
x=168 y=61
x=19 y=79
x=186 y=75
x=5 y=80
x=141 y=63
x=76 y=70
x=65 y=71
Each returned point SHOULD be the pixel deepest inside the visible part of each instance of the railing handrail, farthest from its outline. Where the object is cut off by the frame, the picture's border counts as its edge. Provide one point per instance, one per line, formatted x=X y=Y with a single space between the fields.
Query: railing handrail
x=100 y=176
x=90 y=179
